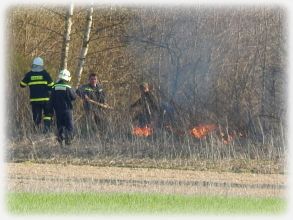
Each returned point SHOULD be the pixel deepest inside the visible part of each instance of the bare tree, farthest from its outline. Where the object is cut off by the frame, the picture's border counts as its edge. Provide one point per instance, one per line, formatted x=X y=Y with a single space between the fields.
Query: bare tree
x=85 y=44
x=66 y=38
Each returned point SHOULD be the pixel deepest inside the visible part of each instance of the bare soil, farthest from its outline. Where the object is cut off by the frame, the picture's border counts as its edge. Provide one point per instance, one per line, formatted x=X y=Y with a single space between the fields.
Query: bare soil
x=31 y=177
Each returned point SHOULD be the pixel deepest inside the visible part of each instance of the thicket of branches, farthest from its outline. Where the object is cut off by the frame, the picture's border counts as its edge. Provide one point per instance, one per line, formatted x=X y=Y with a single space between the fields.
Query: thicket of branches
x=219 y=65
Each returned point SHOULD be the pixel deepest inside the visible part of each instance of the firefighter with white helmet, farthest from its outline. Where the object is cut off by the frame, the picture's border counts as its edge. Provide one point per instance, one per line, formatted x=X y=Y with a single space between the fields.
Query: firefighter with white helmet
x=64 y=75
x=61 y=101
x=40 y=83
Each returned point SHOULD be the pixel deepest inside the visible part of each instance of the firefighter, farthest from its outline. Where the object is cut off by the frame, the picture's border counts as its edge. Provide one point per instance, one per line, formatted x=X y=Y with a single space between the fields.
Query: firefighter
x=148 y=107
x=40 y=83
x=61 y=101
x=92 y=95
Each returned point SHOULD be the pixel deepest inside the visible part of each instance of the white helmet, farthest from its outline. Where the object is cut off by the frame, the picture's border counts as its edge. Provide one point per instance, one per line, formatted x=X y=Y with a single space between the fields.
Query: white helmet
x=65 y=75
x=38 y=61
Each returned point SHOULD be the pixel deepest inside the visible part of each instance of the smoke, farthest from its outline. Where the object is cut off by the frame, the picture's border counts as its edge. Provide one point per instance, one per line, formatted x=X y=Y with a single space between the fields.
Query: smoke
x=211 y=62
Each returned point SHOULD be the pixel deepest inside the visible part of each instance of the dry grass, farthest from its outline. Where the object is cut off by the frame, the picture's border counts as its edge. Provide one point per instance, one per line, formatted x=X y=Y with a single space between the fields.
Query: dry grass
x=129 y=151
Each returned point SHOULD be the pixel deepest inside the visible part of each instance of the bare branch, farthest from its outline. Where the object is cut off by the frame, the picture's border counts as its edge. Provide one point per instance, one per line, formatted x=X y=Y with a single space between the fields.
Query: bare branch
x=46 y=28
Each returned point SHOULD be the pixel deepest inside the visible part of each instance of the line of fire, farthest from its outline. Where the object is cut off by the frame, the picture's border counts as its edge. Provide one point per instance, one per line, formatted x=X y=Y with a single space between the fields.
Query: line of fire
x=152 y=118
x=199 y=131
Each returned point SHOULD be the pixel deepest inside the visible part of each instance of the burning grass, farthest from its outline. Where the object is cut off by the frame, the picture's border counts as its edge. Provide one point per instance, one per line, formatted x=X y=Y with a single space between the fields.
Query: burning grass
x=199 y=132
x=202 y=130
x=142 y=131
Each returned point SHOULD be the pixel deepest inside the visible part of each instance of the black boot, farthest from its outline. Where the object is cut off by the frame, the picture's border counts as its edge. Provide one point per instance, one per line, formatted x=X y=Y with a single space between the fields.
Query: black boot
x=68 y=138
x=60 y=137
x=47 y=126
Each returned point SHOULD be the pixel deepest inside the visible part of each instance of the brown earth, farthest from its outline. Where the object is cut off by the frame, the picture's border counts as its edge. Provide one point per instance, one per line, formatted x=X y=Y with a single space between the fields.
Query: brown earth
x=31 y=177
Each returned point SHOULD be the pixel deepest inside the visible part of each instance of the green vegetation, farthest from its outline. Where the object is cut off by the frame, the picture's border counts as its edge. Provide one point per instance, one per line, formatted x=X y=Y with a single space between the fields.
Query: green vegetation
x=136 y=203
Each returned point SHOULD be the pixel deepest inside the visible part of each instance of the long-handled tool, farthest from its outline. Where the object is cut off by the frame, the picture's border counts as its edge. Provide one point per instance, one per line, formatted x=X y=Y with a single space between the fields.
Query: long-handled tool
x=102 y=105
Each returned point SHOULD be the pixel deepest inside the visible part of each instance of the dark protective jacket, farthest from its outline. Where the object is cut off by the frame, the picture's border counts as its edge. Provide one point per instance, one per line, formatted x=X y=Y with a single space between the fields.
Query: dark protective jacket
x=40 y=83
x=148 y=105
x=62 y=96
x=94 y=93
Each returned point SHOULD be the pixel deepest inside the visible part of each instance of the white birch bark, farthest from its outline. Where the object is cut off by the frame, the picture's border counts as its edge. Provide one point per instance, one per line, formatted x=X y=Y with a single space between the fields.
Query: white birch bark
x=85 y=45
x=66 y=38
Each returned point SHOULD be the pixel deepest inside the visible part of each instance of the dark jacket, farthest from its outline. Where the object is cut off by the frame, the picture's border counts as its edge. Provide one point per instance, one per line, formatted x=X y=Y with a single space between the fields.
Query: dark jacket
x=40 y=83
x=62 y=97
x=94 y=93
x=147 y=104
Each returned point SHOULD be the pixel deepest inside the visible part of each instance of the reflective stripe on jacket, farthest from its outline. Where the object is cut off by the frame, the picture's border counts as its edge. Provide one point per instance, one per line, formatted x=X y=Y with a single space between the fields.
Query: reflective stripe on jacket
x=40 y=83
x=62 y=96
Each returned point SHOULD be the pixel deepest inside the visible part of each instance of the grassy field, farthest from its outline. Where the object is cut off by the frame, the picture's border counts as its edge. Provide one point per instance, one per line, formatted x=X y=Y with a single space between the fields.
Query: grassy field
x=125 y=203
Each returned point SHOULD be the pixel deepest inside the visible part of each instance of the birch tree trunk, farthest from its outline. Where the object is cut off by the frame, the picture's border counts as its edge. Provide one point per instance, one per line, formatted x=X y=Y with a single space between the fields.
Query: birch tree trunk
x=85 y=44
x=66 y=38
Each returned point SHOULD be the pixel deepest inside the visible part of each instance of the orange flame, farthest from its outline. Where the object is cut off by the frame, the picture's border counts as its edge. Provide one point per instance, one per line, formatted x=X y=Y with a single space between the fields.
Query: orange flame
x=227 y=138
x=142 y=132
x=201 y=131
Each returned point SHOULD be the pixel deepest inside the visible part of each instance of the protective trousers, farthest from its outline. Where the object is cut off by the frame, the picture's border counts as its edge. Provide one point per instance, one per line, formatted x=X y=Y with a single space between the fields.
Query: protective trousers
x=38 y=108
x=96 y=121
x=65 y=126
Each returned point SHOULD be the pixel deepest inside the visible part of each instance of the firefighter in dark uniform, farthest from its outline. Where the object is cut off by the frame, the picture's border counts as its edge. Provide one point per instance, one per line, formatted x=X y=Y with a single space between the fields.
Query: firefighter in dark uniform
x=148 y=107
x=61 y=101
x=91 y=94
x=40 y=84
